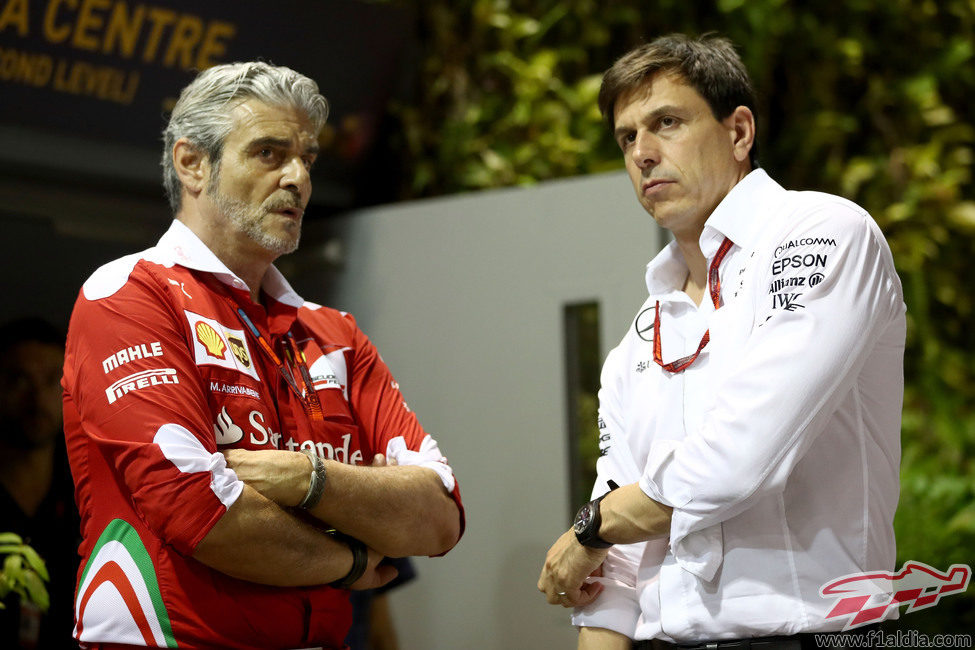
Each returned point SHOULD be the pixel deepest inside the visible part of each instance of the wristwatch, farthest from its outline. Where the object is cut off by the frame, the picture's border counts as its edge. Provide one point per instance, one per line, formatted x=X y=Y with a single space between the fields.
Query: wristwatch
x=586 y=525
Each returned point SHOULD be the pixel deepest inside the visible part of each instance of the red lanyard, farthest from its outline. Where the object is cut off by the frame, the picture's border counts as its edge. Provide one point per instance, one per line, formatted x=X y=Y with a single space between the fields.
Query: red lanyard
x=714 y=283
x=308 y=398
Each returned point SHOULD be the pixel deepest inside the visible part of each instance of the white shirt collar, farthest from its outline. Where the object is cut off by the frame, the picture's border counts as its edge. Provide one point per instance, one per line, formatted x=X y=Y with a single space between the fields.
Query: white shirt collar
x=184 y=247
x=666 y=272
x=742 y=214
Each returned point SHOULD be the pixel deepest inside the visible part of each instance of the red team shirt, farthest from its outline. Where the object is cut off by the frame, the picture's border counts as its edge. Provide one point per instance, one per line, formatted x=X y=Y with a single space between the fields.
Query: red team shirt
x=160 y=374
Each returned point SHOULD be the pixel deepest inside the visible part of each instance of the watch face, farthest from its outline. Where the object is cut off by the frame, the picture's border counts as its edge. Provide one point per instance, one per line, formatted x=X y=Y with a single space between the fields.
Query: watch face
x=583 y=519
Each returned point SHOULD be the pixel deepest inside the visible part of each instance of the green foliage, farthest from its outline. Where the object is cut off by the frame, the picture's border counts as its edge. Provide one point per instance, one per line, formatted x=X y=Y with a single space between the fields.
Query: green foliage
x=870 y=99
x=23 y=572
x=507 y=96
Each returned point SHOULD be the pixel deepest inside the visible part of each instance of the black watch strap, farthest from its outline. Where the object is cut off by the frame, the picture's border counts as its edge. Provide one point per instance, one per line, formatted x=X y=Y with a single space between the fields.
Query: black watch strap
x=586 y=525
x=360 y=559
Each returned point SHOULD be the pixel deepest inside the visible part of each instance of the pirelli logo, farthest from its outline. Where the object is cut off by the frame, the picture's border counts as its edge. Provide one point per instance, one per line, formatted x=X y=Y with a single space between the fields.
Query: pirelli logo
x=140 y=380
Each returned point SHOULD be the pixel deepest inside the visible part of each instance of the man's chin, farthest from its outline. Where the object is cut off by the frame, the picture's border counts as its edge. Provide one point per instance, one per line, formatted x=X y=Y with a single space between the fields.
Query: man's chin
x=280 y=245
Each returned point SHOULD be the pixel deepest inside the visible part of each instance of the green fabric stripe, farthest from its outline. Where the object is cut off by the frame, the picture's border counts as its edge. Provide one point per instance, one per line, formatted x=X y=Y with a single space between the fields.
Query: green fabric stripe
x=121 y=531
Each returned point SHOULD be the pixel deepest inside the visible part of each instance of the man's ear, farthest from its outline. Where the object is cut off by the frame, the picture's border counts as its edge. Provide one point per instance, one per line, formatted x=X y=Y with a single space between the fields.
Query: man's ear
x=741 y=123
x=192 y=166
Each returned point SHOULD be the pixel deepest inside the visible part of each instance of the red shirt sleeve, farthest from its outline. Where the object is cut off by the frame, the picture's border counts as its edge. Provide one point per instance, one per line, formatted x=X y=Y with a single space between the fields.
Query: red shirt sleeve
x=135 y=404
x=386 y=418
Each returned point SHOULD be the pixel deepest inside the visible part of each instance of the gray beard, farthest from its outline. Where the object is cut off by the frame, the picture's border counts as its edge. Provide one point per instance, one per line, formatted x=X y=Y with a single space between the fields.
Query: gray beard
x=248 y=220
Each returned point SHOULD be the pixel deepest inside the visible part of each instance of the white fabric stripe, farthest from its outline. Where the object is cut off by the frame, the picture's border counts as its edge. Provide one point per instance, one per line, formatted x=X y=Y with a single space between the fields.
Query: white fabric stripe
x=428 y=456
x=189 y=455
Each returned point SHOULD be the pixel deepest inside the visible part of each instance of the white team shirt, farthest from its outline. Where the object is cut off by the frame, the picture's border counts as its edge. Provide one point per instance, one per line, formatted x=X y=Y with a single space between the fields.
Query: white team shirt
x=779 y=447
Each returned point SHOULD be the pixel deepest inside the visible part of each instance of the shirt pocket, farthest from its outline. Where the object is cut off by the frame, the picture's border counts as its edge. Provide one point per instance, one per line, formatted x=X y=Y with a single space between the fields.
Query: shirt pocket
x=728 y=329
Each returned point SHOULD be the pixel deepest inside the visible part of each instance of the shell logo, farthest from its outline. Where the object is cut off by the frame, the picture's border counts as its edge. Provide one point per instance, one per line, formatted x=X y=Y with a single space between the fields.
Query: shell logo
x=211 y=340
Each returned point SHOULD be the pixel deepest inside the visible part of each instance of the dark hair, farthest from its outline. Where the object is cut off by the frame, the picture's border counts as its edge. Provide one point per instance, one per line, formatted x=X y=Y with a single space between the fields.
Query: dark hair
x=709 y=64
x=22 y=330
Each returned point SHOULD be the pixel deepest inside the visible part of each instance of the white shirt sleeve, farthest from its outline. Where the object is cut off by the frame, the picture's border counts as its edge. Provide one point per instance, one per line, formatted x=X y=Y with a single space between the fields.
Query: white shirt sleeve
x=781 y=378
x=617 y=608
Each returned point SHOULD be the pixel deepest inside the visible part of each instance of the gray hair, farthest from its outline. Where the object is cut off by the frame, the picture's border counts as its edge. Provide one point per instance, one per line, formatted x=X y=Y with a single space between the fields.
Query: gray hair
x=202 y=114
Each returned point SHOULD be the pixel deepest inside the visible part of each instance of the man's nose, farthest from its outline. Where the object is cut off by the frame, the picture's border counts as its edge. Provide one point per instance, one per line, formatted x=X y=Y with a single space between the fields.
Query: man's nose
x=646 y=150
x=296 y=177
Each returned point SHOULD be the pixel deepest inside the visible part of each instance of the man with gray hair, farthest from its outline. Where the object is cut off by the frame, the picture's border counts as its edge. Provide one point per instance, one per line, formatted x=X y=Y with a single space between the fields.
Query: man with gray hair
x=242 y=457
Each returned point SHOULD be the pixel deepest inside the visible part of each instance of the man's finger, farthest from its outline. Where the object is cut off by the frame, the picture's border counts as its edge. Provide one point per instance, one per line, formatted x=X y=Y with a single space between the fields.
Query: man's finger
x=578 y=597
x=589 y=592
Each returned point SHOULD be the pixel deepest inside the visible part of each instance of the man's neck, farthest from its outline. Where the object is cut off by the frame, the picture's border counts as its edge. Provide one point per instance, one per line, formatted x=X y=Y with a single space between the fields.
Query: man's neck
x=245 y=259
x=247 y=270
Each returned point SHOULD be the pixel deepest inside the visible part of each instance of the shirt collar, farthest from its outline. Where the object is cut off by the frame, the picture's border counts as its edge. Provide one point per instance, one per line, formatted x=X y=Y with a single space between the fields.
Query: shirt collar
x=743 y=213
x=741 y=216
x=666 y=272
x=182 y=246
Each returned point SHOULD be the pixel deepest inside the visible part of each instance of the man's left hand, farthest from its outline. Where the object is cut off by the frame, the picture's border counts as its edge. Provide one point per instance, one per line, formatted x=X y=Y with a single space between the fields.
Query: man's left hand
x=281 y=476
x=567 y=565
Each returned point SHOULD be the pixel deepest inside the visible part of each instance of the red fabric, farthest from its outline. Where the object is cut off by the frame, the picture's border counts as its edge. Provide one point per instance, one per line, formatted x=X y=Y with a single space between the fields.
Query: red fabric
x=121 y=474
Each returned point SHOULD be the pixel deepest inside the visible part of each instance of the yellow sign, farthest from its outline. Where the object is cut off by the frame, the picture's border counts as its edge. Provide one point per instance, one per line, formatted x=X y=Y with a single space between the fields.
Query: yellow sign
x=117 y=31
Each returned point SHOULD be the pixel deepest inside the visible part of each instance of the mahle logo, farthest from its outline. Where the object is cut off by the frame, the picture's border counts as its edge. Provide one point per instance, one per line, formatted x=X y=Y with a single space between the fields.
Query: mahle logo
x=867 y=597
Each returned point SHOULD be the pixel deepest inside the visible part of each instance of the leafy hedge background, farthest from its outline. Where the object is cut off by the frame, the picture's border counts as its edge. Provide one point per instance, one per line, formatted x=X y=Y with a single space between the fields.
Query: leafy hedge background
x=870 y=99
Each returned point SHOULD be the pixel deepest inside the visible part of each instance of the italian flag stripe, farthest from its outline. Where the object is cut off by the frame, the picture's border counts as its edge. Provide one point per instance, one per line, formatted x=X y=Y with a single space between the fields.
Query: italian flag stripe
x=119 y=546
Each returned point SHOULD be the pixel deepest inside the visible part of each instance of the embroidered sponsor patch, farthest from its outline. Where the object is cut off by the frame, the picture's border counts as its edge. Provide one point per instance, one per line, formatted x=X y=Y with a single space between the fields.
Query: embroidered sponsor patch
x=786 y=301
x=225 y=430
x=644 y=323
x=215 y=344
x=140 y=380
x=329 y=371
x=804 y=242
x=125 y=355
x=799 y=262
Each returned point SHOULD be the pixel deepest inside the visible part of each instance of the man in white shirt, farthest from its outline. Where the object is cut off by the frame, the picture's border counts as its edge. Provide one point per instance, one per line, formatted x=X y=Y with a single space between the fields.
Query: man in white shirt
x=751 y=414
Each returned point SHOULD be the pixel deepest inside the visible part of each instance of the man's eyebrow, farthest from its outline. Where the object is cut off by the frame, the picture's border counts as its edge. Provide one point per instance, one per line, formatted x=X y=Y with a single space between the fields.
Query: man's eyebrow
x=268 y=141
x=620 y=131
x=271 y=141
x=667 y=109
x=655 y=114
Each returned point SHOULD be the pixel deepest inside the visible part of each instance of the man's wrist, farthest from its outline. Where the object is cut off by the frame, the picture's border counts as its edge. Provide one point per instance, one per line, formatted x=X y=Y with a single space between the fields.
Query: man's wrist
x=586 y=526
x=360 y=560
x=316 y=481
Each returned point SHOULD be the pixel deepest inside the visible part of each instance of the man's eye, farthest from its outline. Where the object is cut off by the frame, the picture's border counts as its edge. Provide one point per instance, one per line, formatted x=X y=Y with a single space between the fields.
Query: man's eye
x=668 y=121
